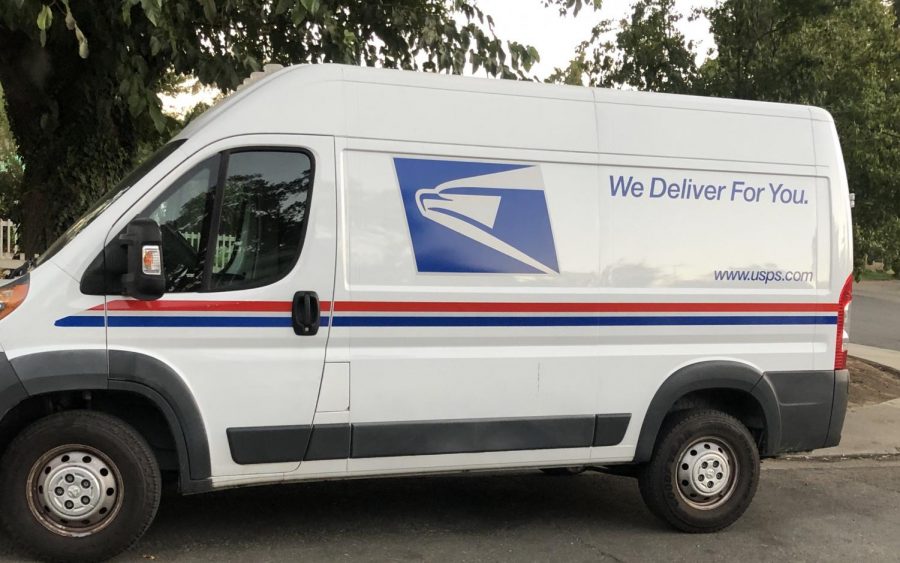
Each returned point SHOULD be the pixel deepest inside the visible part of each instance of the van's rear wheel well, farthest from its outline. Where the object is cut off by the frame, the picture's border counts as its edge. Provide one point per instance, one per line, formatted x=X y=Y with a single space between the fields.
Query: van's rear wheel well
x=135 y=409
x=739 y=404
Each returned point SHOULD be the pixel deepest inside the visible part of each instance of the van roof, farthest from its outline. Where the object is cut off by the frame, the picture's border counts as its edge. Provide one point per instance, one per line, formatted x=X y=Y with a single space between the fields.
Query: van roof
x=354 y=101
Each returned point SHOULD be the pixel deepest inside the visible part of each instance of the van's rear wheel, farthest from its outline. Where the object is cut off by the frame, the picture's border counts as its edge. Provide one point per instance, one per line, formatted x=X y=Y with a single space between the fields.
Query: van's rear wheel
x=78 y=486
x=703 y=473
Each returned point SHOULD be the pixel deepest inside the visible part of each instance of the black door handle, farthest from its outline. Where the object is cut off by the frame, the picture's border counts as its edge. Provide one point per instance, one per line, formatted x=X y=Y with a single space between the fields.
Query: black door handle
x=305 y=313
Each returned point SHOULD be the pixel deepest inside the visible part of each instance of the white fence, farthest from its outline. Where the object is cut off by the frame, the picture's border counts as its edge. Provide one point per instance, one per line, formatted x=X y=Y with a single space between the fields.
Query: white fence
x=9 y=239
x=224 y=248
x=9 y=248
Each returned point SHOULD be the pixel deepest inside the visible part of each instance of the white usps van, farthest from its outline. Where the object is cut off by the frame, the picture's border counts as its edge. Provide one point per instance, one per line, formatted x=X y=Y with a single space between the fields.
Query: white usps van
x=344 y=272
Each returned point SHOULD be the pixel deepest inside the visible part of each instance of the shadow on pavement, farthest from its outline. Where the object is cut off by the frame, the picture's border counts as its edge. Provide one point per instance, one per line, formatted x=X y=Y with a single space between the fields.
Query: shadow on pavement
x=337 y=518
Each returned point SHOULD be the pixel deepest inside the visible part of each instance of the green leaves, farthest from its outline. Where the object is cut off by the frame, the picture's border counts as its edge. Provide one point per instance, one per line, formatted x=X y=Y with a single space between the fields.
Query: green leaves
x=209 y=9
x=282 y=6
x=649 y=53
x=44 y=20
x=522 y=56
x=159 y=120
x=152 y=10
x=83 y=50
x=312 y=6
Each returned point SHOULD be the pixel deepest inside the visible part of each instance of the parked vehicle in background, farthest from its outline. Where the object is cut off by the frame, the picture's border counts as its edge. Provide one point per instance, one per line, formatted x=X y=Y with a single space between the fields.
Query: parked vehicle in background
x=344 y=272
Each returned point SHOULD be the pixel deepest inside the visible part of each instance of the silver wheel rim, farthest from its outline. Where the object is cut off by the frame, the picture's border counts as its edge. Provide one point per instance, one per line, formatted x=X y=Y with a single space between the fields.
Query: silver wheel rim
x=706 y=473
x=74 y=490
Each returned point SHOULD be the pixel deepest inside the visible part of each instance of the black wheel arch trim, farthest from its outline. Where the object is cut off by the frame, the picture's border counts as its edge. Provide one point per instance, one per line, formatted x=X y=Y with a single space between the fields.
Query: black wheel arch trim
x=171 y=393
x=12 y=392
x=49 y=372
x=62 y=370
x=713 y=374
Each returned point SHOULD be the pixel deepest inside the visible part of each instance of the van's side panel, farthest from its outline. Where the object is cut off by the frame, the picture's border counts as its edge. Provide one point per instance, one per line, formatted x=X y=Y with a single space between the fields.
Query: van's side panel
x=449 y=348
x=706 y=251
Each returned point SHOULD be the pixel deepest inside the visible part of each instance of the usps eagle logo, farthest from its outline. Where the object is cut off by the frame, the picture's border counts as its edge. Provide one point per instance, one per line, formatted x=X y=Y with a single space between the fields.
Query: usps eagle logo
x=477 y=217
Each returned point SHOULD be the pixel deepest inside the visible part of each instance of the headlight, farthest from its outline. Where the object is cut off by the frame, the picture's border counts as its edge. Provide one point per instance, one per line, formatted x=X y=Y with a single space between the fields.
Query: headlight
x=12 y=295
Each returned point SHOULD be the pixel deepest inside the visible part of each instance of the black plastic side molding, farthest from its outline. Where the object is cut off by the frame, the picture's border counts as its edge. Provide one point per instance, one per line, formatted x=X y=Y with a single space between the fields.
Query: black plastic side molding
x=272 y=444
x=609 y=429
x=268 y=444
x=328 y=441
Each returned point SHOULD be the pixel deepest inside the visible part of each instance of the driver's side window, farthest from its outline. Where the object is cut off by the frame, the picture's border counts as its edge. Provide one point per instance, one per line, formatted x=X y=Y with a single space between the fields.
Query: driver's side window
x=183 y=214
x=258 y=224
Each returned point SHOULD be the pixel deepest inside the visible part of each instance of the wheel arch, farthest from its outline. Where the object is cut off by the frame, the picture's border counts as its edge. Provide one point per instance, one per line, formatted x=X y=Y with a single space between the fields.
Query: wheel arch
x=49 y=376
x=705 y=380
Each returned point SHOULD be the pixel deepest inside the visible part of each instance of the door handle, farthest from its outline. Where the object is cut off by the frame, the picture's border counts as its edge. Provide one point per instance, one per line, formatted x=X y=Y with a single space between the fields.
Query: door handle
x=306 y=313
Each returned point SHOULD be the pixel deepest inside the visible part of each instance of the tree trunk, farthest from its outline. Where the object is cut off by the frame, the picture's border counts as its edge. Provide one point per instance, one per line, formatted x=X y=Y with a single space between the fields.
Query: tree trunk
x=74 y=134
x=23 y=71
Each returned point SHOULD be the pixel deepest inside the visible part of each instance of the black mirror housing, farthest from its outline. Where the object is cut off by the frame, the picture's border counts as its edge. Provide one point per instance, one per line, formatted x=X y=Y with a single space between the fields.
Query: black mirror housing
x=145 y=278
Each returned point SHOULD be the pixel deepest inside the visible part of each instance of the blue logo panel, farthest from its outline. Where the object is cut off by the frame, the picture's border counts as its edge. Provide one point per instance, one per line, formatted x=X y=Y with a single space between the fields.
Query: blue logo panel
x=477 y=217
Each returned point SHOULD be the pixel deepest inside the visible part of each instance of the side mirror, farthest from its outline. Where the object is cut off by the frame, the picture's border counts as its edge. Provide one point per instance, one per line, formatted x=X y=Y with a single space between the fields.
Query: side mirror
x=145 y=278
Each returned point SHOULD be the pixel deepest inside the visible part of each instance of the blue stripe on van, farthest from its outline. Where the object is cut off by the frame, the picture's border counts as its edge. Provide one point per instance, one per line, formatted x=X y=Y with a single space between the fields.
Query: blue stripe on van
x=718 y=320
x=141 y=321
x=80 y=321
x=193 y=321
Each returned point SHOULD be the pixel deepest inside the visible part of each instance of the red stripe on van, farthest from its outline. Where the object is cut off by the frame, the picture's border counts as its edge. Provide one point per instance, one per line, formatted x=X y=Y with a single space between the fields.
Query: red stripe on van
x=465 y=307
x=203 y=306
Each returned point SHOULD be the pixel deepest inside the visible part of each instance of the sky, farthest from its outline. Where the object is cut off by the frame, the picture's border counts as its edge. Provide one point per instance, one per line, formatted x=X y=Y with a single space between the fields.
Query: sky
x=528 y=22
x=555 y=37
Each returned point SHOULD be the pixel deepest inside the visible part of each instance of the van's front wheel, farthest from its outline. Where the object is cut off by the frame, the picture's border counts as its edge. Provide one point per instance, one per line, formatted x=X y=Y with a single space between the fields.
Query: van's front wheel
x=703 y=473
x=78 y=485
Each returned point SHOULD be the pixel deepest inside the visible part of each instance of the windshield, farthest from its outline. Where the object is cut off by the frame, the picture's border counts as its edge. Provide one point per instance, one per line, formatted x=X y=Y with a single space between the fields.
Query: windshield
x=109 y=198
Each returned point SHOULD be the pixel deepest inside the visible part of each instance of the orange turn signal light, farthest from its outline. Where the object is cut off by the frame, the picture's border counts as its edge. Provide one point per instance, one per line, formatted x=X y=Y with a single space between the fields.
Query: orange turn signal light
x=12 y=295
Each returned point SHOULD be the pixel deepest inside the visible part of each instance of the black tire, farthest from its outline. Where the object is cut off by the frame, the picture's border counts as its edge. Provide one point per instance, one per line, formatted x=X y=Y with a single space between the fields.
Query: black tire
x=670 y=482
x=121 y=455
x=563 y=471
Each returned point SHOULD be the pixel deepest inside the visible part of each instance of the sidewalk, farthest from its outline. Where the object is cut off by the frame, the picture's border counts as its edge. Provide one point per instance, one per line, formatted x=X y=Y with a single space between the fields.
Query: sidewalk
x=870 y=429
x=889 y=358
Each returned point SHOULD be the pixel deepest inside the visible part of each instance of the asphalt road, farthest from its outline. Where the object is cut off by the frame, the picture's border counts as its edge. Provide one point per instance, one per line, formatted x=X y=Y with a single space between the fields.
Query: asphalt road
x=804 y=511
x=875 y=320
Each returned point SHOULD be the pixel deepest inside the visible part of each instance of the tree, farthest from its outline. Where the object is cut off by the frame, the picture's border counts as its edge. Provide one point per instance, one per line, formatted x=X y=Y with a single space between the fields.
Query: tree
x=81 y=76
x=649 y=53
x=751 y=38
x=10 y=164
